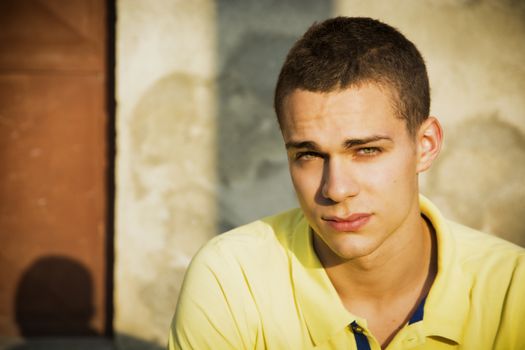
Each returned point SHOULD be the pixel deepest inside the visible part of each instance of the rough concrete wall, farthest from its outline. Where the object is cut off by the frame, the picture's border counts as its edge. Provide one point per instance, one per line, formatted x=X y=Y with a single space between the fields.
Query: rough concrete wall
x=166 y=172
x=475 y=51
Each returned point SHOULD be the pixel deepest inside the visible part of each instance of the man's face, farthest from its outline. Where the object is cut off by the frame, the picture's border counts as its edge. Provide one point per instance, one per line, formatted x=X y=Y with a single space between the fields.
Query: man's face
x=354 y=167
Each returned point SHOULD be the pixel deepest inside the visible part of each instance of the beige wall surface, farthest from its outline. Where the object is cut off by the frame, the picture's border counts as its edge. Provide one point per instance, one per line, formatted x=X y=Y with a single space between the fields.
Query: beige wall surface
x=165 y=158
x=199 y=151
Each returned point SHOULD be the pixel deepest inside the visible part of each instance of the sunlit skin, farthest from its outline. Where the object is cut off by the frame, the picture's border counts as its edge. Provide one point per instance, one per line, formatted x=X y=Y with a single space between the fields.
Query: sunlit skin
x=355 y=167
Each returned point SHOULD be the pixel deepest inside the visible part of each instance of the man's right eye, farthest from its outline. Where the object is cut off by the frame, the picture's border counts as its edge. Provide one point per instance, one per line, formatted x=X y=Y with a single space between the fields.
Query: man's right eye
x=308 y=155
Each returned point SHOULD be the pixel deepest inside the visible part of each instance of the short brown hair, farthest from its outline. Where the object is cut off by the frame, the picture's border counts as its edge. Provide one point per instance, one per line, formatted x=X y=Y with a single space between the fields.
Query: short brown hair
x=348 y=51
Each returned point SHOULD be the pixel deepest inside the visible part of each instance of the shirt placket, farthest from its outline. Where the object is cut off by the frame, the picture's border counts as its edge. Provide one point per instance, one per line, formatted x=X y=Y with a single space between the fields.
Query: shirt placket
x=363 y=338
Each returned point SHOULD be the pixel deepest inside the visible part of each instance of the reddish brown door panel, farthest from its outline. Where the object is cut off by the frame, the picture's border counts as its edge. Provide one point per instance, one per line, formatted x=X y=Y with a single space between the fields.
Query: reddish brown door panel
x=53 y=167
x=52 y=34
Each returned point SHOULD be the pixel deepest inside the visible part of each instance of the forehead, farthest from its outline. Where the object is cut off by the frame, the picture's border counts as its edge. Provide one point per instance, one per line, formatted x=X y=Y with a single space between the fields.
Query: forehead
x=358 y=111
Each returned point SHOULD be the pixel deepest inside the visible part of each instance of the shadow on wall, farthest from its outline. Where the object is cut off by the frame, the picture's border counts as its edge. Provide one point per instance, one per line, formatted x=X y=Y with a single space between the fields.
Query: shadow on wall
x=54 y=307
x=127 y=342
x=252 y=160
x=124 y=342
x=54 y=298
x=478 y=179
x=254 y=37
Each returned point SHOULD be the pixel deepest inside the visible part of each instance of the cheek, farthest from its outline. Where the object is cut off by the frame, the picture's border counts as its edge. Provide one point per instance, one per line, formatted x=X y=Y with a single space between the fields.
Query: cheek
x=395 y=173
x=306 y=182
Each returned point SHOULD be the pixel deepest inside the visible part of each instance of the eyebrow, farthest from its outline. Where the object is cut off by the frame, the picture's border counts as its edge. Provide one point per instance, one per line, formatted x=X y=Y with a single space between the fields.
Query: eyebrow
x=347 y=143
x=302 y=144
x=357 y=142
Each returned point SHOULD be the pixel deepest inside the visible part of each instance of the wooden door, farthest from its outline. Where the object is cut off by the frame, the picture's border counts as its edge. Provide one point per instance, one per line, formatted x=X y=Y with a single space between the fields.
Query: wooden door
x=53 y=167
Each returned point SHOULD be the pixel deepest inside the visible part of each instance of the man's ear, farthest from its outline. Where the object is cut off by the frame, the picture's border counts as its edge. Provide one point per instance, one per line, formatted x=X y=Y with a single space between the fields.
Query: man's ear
x=429 y=140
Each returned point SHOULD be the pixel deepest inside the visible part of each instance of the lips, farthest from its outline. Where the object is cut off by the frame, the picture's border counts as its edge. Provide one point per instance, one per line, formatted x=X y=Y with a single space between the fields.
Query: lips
x=351 y=223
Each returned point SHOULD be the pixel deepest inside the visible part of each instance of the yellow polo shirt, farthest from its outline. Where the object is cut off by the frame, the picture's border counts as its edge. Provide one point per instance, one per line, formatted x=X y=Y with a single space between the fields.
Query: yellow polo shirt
x=261 y=286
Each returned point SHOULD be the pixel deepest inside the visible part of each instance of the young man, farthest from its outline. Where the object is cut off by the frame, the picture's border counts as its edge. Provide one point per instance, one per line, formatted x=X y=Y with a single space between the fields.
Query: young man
x=366 y=263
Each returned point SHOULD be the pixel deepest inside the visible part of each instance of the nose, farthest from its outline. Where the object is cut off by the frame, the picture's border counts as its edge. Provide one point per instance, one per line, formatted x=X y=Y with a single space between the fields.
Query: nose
x=339 y=182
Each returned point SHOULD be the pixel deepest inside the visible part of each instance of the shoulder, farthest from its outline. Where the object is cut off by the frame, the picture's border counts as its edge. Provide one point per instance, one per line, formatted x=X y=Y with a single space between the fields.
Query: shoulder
x=252 y=250
x=495 y=271
x=493 y=265
x=478 y=247
x=258 y=238
x=228 y=279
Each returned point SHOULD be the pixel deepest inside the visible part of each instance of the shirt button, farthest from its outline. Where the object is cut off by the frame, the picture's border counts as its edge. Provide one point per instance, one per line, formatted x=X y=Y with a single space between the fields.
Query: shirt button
x=356 y=327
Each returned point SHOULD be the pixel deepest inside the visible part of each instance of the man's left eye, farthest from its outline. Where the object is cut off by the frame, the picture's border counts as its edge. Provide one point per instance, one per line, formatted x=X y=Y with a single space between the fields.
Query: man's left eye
x=368 y=151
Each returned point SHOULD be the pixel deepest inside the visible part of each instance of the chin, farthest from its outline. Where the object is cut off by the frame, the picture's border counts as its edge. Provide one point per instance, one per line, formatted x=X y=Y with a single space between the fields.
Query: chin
x=354 y=250
x=346 y=246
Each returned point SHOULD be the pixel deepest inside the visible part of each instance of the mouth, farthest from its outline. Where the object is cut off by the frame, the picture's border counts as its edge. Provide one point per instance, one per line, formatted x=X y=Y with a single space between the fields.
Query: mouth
x=352 y=223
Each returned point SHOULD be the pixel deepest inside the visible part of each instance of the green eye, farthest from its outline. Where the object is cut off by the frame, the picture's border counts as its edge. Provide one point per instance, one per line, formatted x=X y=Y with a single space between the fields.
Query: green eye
x=368 y=151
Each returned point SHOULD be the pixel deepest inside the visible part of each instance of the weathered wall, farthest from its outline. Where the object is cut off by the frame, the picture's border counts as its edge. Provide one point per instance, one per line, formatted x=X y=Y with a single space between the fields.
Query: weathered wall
x=474 y=51
x=166 y=176
x=199 y=150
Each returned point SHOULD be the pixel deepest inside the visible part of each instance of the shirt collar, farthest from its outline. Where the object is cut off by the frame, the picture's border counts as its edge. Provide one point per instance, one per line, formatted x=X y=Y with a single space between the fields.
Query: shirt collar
x=447 y=304
x=445 y=312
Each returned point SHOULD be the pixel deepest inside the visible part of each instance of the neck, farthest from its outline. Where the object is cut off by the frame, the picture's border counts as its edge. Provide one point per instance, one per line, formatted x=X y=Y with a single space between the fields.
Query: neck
x=387 y=285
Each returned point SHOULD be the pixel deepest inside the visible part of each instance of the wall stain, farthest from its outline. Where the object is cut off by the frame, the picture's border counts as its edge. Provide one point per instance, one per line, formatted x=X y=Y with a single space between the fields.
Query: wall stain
x=172 y=173
x=478 y=179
